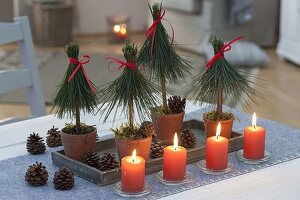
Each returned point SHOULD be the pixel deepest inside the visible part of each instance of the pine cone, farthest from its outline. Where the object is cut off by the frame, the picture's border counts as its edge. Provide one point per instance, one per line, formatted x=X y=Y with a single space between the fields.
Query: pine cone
x=176 y=104
x=108 y=161
x=92 y=159
x=157 y=150
x=187 y=138
x=35 y=144
x=63 y=179
x=53 y=139
x=36 y=174
x=142 y=133
x=148 y=127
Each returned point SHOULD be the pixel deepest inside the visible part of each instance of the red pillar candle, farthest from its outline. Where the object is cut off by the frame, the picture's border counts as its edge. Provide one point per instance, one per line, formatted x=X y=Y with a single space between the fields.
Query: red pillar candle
x=174 y=162
x=217 y=151
x=254 y=141
x=133 y=173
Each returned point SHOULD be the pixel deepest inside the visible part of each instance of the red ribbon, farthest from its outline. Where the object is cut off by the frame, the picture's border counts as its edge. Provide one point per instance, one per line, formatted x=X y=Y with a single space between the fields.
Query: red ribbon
x=123 y=64
x=80 y=64
x=220 y=54
x=152 y=30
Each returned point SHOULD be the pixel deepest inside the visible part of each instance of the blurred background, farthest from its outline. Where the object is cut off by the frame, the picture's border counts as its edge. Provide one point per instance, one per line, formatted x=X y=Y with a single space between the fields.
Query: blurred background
x=270 y=49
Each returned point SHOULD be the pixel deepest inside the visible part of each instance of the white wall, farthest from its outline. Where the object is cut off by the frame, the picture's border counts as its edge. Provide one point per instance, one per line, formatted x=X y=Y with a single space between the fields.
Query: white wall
x=91 y=14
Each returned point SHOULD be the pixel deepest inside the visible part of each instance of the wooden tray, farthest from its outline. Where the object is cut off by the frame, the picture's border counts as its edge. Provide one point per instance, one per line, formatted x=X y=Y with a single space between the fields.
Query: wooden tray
x=103 y=178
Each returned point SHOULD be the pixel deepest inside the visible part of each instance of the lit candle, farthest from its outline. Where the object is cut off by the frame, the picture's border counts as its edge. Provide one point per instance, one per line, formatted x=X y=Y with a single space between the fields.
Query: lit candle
x=217 y=151
x=133 y=173
x=174 y=162
x=254 y=141
x=117 y=28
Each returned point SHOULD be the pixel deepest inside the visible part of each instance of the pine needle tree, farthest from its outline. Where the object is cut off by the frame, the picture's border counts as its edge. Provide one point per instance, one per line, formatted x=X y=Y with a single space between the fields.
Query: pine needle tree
x=75 y=95
x=130 y=91
x=162 y=61
x=222 y=80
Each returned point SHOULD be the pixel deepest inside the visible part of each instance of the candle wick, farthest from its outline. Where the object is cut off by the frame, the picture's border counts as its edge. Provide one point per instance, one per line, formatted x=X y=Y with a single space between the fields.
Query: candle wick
x=254 y=126
x=133 y=160
x=175 y=148
x=217 y=137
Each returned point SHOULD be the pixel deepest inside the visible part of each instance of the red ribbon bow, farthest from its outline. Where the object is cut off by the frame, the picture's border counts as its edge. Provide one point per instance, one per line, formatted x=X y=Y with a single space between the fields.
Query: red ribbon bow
x=123 y=64
x=80 y=64
x=220 y=54
x=152 y=30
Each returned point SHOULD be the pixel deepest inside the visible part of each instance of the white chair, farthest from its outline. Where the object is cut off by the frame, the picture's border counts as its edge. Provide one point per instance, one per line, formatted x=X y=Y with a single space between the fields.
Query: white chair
x=28 y=75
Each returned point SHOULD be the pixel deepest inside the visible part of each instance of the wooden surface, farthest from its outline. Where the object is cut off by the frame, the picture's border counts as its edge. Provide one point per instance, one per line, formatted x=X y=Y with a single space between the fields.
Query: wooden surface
x=281 y=90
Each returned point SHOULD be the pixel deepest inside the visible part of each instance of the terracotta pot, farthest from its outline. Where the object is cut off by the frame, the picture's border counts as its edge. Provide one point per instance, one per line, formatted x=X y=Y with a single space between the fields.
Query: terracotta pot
x=166 y=125
x=126 y=147
x=75 y=146
x=211 y=127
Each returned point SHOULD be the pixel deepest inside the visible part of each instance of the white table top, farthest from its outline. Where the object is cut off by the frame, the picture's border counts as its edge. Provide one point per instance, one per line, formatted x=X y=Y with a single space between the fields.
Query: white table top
x=277 y=182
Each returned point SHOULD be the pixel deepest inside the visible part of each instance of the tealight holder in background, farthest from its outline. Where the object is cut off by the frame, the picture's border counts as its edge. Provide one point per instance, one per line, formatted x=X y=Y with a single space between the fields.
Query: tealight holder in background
x=118 y=27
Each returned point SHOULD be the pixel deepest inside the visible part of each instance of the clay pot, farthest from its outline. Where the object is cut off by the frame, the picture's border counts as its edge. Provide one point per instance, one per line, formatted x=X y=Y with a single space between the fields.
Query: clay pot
x=166 y=126
x=75 y=146
x=125 y=147
x=211 y=127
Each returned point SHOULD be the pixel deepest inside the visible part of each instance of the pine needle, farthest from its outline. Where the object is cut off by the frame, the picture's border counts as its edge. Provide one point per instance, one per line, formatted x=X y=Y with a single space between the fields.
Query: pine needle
x=76 y=93
x=130 y=86
x=235 y=85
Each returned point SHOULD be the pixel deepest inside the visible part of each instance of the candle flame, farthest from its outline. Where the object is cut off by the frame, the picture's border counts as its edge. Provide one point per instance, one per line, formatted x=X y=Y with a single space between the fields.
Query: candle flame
x=123 y=31
x=218 y=132
x=175 y=141
x=117 y=28
x=254 y=120
x=133 y=155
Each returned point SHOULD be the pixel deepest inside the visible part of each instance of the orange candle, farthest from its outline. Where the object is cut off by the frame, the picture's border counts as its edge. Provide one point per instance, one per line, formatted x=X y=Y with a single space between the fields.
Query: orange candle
x=174 y=162
x=254 y=141
x=217 y=151
x=133 y=173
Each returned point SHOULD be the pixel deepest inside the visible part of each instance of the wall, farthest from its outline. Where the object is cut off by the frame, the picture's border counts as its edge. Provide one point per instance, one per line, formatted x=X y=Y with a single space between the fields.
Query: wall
x=90 y=15
x=6 y=10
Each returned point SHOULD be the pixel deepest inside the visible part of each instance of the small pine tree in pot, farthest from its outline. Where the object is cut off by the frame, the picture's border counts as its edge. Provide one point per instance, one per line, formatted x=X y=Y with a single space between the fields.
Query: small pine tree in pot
x=164 y=64
x=131 y=92
x=76 y=93
x=221 y=81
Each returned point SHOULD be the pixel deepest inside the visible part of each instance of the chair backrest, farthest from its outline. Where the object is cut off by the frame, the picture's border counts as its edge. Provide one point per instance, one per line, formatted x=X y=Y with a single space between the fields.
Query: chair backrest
x=28 y=76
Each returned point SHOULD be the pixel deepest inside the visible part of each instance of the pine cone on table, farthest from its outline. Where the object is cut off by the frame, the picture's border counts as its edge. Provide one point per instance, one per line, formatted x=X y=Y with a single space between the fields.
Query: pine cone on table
x=157 y=150
x=36 y=174
x=148 y=127
x=53 y=137
x=35 y=144
x=63 y=179
x=187 y=138
x=108 y=161
x=92 y=159
x=176 y=104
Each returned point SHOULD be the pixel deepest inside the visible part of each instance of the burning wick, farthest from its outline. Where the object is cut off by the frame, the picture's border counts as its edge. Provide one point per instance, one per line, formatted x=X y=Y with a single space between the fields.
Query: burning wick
x=175 y=142
x=218 y=132
x=254 y=120
x=133 y=156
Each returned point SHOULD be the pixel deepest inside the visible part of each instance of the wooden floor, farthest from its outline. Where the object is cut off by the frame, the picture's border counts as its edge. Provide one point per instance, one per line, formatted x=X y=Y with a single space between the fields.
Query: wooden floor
x=282 y=83
x=282 y=93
